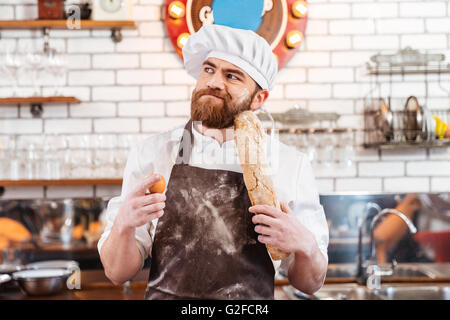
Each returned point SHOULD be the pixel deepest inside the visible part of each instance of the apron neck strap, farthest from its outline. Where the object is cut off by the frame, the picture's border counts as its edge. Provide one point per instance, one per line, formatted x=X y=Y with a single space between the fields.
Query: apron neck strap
x=184 y=150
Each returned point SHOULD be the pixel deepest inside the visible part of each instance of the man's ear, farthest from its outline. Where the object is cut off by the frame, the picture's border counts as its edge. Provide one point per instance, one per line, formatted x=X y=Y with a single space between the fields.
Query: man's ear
x=259 y=98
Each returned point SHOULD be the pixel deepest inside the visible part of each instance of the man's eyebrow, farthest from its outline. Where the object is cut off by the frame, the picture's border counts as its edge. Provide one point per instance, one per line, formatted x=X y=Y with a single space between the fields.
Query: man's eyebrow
x=236 y=71
x=209 y=63
x=230 y=70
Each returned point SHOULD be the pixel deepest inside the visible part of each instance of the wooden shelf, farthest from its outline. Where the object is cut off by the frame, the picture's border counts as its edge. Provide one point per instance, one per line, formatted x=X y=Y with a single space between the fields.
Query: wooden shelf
x=61 y=182
x=63 y=24
x=38 y=100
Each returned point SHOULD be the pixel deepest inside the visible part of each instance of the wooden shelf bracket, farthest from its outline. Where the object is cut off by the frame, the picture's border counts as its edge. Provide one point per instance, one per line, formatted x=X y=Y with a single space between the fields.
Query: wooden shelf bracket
x=36 y=110
x=116 y=35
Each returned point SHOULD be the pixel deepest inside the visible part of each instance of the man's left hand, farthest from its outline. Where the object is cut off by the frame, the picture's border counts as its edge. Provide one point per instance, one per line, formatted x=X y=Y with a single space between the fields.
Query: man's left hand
x=281 y=229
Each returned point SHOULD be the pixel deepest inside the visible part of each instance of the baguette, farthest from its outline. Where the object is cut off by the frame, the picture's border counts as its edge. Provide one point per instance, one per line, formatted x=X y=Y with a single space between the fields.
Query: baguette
x=250 y=142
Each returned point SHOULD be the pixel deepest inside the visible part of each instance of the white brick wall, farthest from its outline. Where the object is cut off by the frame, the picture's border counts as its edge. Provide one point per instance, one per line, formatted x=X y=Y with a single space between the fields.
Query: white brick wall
x=139 y=86
x=367 y=184
x=381 y=169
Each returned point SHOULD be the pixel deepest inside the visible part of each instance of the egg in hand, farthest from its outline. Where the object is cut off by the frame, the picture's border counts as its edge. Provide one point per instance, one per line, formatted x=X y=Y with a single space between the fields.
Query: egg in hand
x=159 y=186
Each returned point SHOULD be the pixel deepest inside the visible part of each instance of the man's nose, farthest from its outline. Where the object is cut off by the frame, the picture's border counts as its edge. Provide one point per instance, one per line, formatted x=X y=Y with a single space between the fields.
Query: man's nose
x=216 y=82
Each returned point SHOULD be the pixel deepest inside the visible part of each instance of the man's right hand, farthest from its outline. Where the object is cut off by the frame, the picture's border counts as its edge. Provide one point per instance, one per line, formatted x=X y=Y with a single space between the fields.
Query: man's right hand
x=139 y=207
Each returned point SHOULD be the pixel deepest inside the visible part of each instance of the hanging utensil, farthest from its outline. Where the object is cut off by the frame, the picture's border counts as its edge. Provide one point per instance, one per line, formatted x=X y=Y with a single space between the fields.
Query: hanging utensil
x=413 y=119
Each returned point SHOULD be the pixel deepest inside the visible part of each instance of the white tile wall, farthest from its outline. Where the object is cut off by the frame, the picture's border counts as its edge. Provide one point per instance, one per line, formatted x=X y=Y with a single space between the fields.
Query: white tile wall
x=440 y=184
x=139 y=86
x=60 y=192
x=127 y=125
x=364 y=184
x=406 y=184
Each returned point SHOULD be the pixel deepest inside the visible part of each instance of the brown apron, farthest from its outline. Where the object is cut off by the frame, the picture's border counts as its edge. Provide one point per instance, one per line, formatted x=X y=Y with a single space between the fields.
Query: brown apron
x=205 y=246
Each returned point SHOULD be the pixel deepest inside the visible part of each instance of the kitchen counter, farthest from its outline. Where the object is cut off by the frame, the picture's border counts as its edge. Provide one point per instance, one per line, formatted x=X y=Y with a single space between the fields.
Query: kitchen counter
x=103 y=291
x=95 y=286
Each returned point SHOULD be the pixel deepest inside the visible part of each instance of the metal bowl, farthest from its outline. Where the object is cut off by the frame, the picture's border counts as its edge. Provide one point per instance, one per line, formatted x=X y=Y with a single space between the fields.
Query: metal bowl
x=42 y=281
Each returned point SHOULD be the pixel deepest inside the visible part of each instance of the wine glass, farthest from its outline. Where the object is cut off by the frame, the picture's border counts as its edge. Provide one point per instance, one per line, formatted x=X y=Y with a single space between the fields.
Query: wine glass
x=13 y=62
x=313 y=143
x=104 y=160
x=326 y=148
x=302 y=141
x=6 y=150
x=346 y=149
x=51 y=161
x=80 y=156
x=57 y=68
x=35 y=61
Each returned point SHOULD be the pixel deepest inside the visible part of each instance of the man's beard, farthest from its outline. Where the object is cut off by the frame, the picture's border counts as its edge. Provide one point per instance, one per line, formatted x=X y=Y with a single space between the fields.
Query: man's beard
x=214 y=113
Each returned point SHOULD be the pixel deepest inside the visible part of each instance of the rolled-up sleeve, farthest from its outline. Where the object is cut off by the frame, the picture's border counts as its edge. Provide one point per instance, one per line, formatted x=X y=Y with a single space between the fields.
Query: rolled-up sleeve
x=307 y=209
x=131 y=177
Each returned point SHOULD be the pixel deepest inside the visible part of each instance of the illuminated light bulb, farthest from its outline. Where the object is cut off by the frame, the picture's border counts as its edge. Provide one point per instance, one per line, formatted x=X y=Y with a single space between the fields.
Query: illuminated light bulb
x=294 y=38
x=299 y=9
x=181 y=40
x=177 y=9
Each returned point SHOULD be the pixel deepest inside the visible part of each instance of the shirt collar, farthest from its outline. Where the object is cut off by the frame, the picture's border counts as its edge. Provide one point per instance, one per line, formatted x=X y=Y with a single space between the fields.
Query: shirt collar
x=200 y=140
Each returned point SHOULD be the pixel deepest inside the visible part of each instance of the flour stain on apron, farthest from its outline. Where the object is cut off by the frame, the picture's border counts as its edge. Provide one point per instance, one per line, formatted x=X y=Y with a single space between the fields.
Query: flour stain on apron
x=220 y=231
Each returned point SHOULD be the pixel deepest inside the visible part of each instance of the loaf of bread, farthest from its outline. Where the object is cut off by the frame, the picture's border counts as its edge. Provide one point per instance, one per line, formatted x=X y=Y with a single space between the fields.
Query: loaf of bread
x=251 y=148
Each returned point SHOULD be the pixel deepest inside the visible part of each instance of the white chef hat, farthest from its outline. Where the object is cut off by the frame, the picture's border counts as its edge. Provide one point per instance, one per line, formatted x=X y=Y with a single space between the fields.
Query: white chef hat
x=243 y=48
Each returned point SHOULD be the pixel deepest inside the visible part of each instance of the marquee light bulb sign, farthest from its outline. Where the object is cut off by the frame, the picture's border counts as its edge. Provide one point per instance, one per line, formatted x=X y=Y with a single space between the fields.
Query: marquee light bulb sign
x=281 y=22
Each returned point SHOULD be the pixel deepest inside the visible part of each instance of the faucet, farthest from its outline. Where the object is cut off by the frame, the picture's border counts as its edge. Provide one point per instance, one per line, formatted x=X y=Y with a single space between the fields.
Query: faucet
x=359 y=268
x=371 y=276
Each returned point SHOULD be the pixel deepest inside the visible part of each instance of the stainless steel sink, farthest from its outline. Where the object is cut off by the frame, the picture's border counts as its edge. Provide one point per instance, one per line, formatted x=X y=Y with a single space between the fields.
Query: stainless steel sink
x=400 y=271
x=334 y=292
x=411 y=272
x=387 y=292
x=357 y=293
x=416 y=293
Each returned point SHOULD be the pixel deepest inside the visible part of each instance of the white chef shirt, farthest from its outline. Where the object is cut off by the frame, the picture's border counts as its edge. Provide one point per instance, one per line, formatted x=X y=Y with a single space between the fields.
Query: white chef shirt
x=293 y=180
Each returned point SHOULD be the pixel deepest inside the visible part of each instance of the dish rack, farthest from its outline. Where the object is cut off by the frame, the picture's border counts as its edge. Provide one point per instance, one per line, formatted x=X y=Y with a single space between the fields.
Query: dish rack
x=409 y=125
x=387 y=129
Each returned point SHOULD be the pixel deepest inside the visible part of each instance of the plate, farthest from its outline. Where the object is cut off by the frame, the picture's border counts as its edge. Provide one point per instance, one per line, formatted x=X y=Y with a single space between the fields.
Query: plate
x=41 y=273
x=53 y=264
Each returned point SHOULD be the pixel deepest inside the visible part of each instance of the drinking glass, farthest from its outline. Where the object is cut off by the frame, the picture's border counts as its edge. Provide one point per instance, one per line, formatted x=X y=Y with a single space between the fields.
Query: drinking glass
x=51 y=161
x=12 y=64
x=104 y=156
x=124 y=143
x=35 y=63
x=346 y=149
x=6 y=147
x=16 y=165
x=56 y=65
x=302 y=141
x=58 y=220
x=80 y=157
x=312 y=147
x=327 y=143
x=30 y=158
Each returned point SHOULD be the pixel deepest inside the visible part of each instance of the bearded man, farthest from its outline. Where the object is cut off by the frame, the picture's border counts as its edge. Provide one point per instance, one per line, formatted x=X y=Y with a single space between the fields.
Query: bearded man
x=202 y=234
